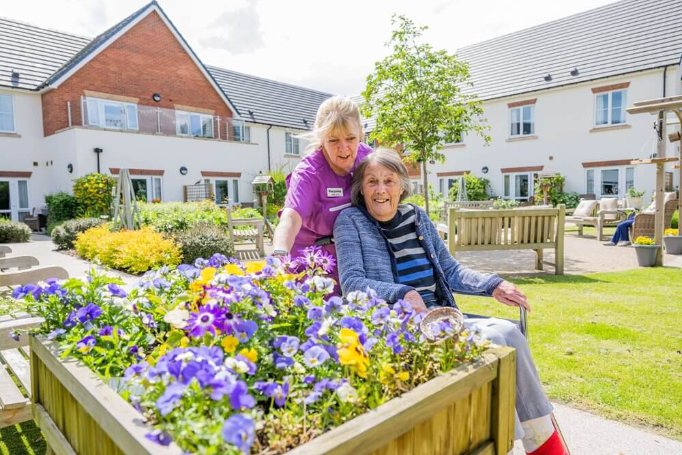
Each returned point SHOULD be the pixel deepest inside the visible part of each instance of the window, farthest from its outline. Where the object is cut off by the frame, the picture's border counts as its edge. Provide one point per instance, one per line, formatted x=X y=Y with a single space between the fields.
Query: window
x=518 y=186
x=227 y=191
x=609 y=182
x=610 y=108
x=111 y=114
x=522 y=120
x=589 y=178
x=291 y=144
x=147 y=189
x=240 y=131
x=193 y=124
x=629 y=177
x=6 y=114
x=444 y=185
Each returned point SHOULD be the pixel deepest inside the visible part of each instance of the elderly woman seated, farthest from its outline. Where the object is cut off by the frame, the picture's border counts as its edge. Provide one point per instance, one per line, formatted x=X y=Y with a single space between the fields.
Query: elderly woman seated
x=395 y=249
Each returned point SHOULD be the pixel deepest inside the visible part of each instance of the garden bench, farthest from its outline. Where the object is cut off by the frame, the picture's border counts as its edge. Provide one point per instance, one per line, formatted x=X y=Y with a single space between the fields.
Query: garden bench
x=32 y=275
x=509 y=229
x=246 y=231
x=18 y=262
x=15 y=378
x=4 y=249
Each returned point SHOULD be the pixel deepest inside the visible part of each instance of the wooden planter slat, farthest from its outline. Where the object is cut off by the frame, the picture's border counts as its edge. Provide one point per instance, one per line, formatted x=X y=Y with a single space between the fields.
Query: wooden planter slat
x=459 y=412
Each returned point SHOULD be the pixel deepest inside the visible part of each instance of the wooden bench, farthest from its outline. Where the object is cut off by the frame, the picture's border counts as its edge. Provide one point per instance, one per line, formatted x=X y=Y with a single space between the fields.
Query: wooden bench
x=18 y=262
x=247 y=231
x=509 y=229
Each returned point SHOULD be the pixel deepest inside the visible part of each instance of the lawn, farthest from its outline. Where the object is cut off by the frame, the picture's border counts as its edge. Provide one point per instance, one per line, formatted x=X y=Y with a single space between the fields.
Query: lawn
x=610 y=343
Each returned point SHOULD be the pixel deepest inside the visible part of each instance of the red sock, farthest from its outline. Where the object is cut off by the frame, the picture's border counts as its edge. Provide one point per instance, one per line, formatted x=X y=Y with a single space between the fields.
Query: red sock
x=552 y=446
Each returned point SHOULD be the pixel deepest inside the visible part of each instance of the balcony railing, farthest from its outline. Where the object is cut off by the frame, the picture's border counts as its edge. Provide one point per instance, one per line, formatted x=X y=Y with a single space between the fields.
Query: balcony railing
x=136 y=118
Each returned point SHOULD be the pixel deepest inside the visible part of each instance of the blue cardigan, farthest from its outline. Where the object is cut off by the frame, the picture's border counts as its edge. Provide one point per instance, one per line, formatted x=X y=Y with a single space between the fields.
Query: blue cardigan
x=365 y=259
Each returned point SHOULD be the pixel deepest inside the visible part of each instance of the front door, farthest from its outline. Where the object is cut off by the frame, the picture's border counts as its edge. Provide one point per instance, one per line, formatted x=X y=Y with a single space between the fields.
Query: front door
x=14 y=199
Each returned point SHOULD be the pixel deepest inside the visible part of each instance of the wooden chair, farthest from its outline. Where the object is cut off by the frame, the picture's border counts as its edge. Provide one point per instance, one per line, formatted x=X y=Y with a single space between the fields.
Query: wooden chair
x=246 y=231
x=33 y=275
x=584 y=214
x=644 y=223
x=32 y=221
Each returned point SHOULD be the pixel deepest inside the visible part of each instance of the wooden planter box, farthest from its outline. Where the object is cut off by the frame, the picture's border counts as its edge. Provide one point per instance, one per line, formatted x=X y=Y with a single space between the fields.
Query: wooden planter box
x=469 y=410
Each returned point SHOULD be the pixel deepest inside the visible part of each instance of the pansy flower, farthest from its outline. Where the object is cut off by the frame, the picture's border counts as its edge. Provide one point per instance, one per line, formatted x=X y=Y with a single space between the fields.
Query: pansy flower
x=240 y=431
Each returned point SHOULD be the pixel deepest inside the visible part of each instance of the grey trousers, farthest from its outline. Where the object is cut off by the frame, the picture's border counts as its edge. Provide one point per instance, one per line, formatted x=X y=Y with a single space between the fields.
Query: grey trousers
x=531 y=401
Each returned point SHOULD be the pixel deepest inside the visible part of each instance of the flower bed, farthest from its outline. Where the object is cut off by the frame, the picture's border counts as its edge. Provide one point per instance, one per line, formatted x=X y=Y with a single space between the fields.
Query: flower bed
x=227 y=358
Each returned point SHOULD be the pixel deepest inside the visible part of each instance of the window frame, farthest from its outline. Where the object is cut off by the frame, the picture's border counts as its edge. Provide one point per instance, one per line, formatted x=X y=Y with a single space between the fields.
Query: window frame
x=232 y=188
x=10 y=114
x=509 y=190
x=241 y=132
x=292 y=144
x=449 y=182
x=153 y=186
x=609 y=108
x=520 y=122
x=97 y=114
x=187 y=118
x=627 y=176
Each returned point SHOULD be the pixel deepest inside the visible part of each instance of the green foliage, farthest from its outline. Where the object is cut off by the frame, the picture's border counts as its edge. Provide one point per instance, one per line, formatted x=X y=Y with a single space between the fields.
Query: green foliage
x=633 y=192
x=94 y=194
x=65 y=234
x=553 y=185
x=246 y=212
x=477 y=188
x=675 y=222
x=500 y=203
x=416 y=96
x=13 y=232
x=172 y=217
x=131 y=251
x=203 y=241
x=60 y=207
x=570 y=200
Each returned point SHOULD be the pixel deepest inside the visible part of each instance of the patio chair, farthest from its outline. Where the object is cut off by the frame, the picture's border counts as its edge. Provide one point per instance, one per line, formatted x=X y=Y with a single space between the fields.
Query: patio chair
x=608 y=215
x=584 y=214
x=644 y=223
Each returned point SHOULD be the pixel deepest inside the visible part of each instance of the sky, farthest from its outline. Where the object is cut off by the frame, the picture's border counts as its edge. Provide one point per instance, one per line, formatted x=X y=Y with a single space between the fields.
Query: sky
x=317 y=44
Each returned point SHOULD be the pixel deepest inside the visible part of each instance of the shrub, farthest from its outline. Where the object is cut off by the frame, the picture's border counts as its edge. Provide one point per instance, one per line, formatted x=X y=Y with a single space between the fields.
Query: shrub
x=169 y=217
x=633 y=192
x=94 y=194
x=13 y=232
x=203 y=241
x=477 y=188
x=554 y=185
x=500 y=203
x=675 y=221
x=130 y=251
x=570 y=200
x=246 y=212
x=60 y=207
x=65 y=234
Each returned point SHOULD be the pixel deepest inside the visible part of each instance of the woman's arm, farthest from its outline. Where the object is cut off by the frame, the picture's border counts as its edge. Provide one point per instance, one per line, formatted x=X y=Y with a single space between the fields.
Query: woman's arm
x=351 y=261
x=286 y=231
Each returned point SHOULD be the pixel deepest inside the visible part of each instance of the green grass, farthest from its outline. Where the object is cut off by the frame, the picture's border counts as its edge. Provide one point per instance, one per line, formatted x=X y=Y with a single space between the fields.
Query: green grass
x=608 y=342
x=24 y=439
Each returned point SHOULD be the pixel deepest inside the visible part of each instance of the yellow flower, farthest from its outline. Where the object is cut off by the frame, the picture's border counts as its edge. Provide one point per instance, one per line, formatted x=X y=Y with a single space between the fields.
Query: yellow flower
x=387 y=375
x=250 y=354
x=229 y=344
x=162 y=349
x=184 y=342
x=352 y=353
x=234 y=269
x=254 y=266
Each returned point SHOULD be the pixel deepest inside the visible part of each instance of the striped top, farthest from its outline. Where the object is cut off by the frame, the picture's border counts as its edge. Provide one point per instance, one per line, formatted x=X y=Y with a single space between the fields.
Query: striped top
x=414 y=268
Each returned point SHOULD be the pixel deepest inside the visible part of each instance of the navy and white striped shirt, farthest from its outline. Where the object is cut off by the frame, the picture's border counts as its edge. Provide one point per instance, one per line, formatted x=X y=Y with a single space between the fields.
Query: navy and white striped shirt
x=414 y=268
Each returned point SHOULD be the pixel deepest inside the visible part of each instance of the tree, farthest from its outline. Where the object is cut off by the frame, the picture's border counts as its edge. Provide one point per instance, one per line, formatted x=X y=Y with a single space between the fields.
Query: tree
x=416 y=96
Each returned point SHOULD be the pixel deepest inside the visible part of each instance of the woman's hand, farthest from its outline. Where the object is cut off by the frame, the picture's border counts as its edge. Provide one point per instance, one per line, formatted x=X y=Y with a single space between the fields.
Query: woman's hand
x=415 y=299
x=509 y=294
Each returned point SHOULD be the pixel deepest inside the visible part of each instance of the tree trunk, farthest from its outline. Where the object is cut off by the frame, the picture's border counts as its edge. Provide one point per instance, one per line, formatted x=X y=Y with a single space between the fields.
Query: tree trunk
x=426 y=187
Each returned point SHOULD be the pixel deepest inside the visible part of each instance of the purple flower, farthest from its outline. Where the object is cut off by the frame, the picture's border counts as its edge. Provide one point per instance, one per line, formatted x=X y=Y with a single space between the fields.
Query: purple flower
x=315 y=313
x=393 y=341
x=326 y=261
x=116 y=290
x=315 y=356
x=161 y=283
x=217 y=260
x=55 y=333
x=240 y=431
x=279 y=393
x=289 y=346
x=240 y=398
x=135 y=370
x=170 y=397
x=188 y=271
x=381 y=315
x=207 y=319
x=23 y=291
x=282 y=362
x=159 y=437
x=301 y=300
x=244 y=330
x=86 y=344
x=148 y=320
x=88 y=313
x=333 y=305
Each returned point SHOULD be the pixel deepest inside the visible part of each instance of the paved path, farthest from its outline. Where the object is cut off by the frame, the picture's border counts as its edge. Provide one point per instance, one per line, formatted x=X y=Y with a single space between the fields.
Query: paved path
x=587 y=434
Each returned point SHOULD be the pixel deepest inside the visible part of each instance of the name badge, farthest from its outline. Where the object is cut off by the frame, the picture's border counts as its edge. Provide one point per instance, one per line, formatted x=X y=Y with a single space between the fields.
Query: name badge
x=334 y=192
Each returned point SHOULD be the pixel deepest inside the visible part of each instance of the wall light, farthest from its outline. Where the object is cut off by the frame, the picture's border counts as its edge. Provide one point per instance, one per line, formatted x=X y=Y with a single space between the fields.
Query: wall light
x=575 y=72
x=183 y=170
x=69 y=167
x=156 y=97
x=548 y=78
x=484 y=169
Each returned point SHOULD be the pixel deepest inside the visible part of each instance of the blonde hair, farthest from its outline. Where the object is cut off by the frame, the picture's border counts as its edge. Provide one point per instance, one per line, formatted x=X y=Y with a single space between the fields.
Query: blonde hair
x=338 y=114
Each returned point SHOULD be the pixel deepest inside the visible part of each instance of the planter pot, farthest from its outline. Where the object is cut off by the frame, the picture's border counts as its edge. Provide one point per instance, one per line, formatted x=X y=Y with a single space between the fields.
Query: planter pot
x=467 y=410
x=673 y=244
x=633 y=202
x=646 y=255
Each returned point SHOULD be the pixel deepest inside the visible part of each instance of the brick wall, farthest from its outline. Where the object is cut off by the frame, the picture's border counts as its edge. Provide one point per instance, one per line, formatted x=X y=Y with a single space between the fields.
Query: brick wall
x=146 y=59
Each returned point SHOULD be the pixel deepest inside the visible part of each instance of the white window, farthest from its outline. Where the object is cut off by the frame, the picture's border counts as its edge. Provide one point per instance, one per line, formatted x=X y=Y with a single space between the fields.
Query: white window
x=240 y=131
x=445 y=183
x=589 y=181
x=522 y=120
x=193 y=124
x=609 y=182
x=610 y=108
x=6 y=114
x=14 y=200
x=110 y=114
x=518 y=186
x=227 y=191
x=147 y=188
x=291 y=144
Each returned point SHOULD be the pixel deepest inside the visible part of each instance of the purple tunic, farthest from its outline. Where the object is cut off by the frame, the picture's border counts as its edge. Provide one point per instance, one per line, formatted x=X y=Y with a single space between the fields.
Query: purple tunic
x=317 y=194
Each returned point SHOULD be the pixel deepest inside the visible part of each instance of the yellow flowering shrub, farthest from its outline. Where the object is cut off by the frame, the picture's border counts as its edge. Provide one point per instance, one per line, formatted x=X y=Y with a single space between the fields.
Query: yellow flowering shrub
x=93 y=193
x=130 y=251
